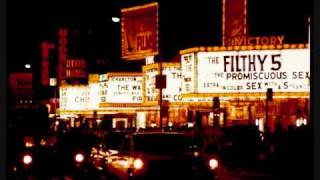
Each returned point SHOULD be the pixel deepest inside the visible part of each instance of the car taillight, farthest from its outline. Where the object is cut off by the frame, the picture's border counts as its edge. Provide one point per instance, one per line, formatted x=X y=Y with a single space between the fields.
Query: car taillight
x=29 y=144
x=79 y=157
x=138 y=164
x=28 y=141
x=213 y=164
x=27 y=159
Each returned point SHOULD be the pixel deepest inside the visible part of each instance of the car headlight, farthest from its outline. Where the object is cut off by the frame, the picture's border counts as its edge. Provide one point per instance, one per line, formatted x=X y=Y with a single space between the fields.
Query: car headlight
x=138 y=164
x=196 y=154
x=213 y=164
x=27 y=159
x=79 y=157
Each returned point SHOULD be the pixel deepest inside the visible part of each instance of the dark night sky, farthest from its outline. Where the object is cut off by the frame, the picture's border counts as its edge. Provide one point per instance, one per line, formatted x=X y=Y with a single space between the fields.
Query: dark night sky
x=183 y=25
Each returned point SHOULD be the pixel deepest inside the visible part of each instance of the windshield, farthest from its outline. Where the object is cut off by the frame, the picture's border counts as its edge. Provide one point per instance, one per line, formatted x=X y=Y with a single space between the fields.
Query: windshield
x=114 y=140
x=162 y=144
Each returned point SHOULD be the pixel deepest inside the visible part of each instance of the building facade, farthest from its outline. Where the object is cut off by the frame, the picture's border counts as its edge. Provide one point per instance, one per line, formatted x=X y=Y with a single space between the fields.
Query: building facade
x=237 y=77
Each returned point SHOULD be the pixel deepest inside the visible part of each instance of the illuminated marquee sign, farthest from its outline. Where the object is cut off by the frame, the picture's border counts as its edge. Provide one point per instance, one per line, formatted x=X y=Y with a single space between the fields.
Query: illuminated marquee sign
x=188 y=69
x=151 y=92
x=172 y=92
x=286 y=70
x=79 y=98
x=121 y=88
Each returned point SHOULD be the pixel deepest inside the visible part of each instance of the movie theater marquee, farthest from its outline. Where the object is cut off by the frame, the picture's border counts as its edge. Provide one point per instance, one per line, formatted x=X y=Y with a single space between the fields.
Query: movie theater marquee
x=283 y=70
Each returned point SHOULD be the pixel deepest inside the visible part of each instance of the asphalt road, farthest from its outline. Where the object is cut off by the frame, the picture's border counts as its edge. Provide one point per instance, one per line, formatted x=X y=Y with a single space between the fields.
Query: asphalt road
x=244 y=174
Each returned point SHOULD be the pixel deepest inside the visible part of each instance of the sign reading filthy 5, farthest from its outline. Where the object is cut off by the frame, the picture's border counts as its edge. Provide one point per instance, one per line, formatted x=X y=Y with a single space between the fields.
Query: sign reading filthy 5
x=286 y=70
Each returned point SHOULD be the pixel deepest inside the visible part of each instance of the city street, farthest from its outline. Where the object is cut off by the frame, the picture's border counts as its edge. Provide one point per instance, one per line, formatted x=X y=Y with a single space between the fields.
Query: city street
x=159 y=90
x=241 y=173
x=224 y=174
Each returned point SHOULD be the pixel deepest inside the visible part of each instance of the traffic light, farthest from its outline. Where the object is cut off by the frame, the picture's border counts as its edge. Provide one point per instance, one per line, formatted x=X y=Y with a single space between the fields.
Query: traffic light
x=269 y=94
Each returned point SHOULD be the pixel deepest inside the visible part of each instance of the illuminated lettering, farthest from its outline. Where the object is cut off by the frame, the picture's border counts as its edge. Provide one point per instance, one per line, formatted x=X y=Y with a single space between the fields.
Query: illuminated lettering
x=257 y=40
x=234 y=63
x=177 y=98
x=144 y=41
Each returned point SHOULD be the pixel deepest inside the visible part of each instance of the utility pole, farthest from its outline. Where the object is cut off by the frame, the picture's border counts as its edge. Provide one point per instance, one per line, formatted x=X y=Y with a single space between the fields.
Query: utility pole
x=160 y=91
x=161 y=81
x=160 y=84
x=269 y=98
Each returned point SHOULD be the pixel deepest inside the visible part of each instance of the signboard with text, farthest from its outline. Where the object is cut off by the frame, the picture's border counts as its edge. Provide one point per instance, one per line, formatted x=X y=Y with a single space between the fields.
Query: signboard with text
x=254 y=40
x=188 y=71
x=286 y=70
x=121 y=89
x=139 y=31
x=79 y=98
x=172 y=92
x=76 y=71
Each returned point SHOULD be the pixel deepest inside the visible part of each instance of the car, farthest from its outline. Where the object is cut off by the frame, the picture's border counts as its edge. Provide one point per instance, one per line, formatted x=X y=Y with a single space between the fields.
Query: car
x=109 y=144
x=161 y=155
x=49 y=155
x=241 y=145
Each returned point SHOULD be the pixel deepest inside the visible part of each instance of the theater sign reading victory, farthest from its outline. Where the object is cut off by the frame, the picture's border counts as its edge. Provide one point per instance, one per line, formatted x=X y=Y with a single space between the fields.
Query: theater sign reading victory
x=283 y=70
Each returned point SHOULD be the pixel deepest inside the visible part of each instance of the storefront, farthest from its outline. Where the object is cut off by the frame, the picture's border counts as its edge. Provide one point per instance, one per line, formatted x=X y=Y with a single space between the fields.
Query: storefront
x=237 y=77
x=240 y=77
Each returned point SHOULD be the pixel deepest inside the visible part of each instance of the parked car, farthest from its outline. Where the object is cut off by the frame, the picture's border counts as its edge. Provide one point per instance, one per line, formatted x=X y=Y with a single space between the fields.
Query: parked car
x=160 y=155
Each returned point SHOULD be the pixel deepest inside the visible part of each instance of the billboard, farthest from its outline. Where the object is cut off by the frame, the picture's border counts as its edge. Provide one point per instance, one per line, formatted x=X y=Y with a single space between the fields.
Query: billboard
x=172 y=92
x=77 y=98
x=234 y=22
x=283 y=70
x=139 y=32
x=121 y=88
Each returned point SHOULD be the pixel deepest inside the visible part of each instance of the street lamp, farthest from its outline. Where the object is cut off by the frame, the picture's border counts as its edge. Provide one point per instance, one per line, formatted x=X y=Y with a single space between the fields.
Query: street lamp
x=115 y=19
x=27 y=66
